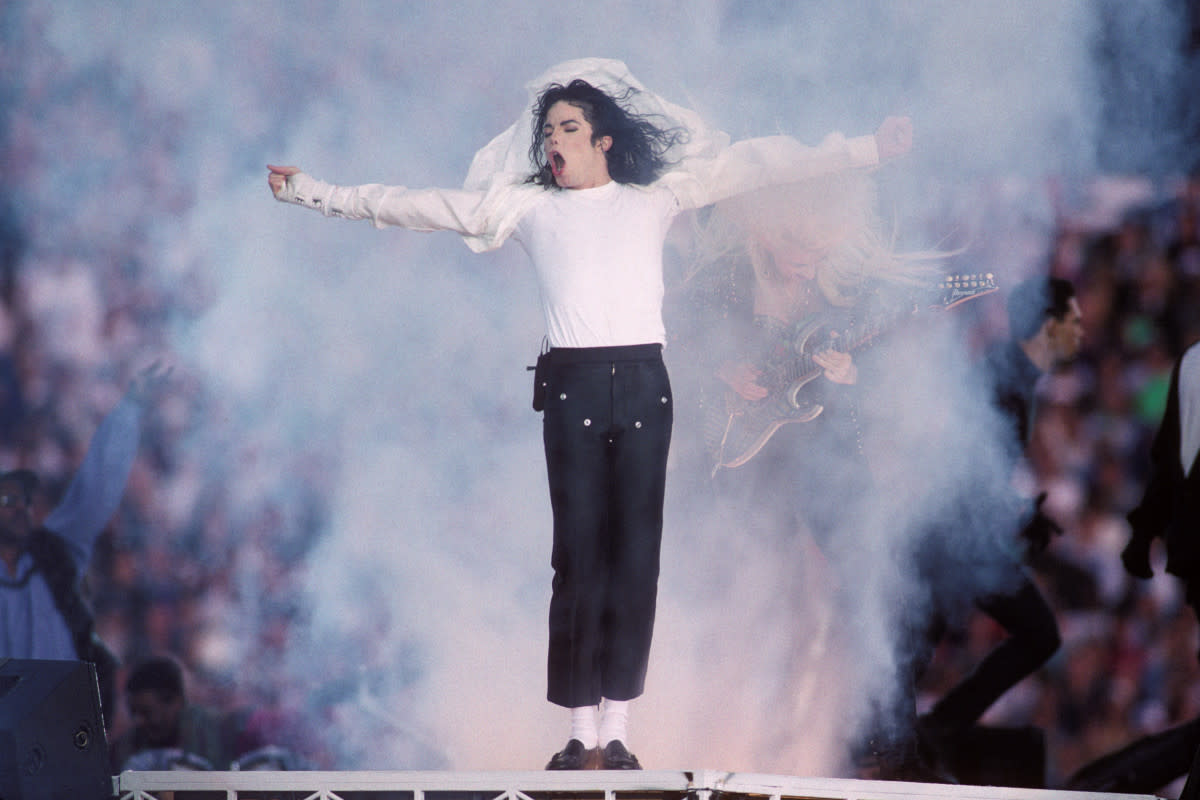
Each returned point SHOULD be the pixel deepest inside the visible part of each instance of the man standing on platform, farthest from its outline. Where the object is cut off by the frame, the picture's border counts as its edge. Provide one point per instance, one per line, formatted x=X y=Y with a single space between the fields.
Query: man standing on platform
x=613 y=165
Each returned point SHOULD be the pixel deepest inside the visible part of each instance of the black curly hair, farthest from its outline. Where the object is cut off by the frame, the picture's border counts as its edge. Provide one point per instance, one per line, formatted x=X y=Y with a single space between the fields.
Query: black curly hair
x=639 y=147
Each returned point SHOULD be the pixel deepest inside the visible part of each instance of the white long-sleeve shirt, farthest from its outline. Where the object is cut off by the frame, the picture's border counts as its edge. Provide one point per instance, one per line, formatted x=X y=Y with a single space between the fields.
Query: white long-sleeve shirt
x=1189 y=407
x=612 y=239
x=597 y=252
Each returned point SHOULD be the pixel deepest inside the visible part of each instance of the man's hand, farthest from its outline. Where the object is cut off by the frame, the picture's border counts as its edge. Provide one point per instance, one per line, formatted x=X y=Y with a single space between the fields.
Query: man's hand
x=839 y=367
x=742 y=378
x=277 y=178
x=1040 y=528
x=894 y=137
x=148 y=380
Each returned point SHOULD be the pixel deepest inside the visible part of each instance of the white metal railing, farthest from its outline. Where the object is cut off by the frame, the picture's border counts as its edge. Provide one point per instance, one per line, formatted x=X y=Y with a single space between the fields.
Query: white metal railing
x=583 y=785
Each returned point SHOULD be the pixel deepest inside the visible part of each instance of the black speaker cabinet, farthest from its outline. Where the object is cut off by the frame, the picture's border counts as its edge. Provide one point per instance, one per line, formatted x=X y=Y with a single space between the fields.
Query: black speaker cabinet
x=52 y=741
x=994 y=756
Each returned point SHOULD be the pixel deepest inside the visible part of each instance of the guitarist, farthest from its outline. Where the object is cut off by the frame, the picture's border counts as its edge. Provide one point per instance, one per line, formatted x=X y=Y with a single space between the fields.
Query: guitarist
x=779 y=283
x=805 y=262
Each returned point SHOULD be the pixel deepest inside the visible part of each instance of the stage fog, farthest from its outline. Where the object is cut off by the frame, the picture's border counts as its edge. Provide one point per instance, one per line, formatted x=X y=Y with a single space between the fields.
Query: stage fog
x=372 y=384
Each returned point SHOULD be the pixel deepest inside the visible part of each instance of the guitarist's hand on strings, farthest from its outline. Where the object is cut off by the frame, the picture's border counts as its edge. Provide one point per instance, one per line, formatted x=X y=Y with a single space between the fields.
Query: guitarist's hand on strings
x=839 y=367
x=742 y=378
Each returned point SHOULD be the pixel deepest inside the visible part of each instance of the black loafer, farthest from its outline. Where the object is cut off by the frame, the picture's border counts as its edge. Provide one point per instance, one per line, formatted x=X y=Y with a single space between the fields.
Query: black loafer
x=616 y=756
x=573 y=756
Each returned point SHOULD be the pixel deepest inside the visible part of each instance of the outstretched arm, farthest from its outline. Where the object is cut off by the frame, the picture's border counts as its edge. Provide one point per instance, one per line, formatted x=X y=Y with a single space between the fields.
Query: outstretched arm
x=484 y=219
x=773 y=160
x=96 y=488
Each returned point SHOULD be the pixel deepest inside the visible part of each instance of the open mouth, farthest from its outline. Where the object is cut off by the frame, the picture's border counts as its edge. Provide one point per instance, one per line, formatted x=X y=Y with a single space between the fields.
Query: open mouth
x=556 y=163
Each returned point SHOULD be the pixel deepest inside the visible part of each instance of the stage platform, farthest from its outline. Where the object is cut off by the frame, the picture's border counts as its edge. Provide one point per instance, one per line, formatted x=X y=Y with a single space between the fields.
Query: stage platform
x=586 y=785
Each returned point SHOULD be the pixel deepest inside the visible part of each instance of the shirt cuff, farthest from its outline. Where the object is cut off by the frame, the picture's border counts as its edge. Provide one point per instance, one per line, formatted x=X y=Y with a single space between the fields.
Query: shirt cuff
x=301 y=189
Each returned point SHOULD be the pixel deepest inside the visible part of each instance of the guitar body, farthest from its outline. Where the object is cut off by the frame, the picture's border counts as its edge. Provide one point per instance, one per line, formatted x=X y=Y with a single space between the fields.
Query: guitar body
x=745 y=426
x=739 y=428
x=808 y=337
x=736 y=429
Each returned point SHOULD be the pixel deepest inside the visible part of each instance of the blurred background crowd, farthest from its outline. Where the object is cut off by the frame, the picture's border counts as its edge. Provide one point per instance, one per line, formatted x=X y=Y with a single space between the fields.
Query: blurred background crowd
x=1128 y=663
x=197 y=548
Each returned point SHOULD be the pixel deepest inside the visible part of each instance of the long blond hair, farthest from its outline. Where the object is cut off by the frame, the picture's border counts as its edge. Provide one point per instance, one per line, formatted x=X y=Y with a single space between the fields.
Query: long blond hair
x=836 y=212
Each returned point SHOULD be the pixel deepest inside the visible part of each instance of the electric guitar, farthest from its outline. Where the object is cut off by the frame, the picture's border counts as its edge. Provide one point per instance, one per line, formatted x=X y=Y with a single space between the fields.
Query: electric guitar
x=736 y=429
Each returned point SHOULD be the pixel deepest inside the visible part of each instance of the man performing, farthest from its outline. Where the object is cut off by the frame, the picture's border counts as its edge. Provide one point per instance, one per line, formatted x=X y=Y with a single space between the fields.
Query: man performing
x=1169 y=510
x=793 y=283
x=1046 y=330
x=612 y=166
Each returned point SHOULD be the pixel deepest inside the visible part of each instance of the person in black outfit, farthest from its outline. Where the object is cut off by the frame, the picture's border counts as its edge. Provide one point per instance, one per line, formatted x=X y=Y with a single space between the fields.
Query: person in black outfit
x=1169 y=510
x=797 y=276
x=1170 y=506
x=770 y=311
x=1045 y=330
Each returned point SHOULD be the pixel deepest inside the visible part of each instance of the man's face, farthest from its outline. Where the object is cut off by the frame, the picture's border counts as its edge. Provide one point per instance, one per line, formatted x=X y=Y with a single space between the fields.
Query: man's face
x=15 y=517
x=156 y=717
x=1066 y=334
x=575 y=160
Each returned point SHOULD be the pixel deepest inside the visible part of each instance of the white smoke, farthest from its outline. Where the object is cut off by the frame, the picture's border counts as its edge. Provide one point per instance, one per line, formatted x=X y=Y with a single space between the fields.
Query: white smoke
x=403 y=355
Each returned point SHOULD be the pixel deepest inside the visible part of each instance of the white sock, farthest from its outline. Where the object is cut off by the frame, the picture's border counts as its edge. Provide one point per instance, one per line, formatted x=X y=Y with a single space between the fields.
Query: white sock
x=613 y=721
x=583 y=725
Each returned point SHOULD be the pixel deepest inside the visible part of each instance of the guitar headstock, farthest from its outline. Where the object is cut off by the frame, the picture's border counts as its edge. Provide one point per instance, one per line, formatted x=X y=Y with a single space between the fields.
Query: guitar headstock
x=958 y=288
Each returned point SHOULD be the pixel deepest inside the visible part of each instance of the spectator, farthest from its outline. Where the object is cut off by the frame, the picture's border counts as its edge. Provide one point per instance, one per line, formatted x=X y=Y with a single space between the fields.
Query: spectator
x=170 y=733
x=43 y=614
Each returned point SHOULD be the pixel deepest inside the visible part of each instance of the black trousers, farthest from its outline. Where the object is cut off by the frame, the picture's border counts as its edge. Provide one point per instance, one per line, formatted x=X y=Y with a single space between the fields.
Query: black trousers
x=1146 y=765
x=1033 y=638
x=606 y=429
